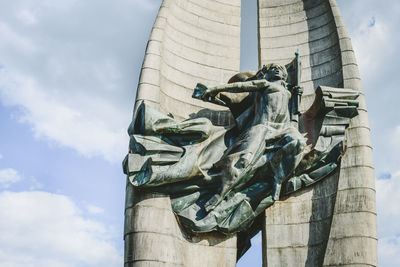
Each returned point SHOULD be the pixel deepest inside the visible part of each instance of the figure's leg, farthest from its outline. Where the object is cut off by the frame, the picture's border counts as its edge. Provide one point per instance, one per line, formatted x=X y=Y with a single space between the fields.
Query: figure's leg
x=284 y=161
x=237 y=165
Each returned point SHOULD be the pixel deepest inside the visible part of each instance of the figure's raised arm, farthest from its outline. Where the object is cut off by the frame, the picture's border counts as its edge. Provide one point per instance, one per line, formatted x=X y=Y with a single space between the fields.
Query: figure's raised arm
x=209 y=93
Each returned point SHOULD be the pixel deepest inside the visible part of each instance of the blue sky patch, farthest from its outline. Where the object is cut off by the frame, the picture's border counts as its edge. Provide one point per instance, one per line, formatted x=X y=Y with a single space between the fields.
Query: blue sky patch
x=372 y=22
x=385 y=176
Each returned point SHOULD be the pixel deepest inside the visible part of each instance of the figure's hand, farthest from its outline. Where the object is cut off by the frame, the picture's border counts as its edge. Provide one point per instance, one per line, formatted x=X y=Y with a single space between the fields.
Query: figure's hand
x=199 y=91
x=202 y=92
x=297 y=90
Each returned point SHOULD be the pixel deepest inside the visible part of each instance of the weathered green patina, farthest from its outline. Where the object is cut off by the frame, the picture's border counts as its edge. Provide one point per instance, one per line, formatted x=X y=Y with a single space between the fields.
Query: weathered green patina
x=222 y=178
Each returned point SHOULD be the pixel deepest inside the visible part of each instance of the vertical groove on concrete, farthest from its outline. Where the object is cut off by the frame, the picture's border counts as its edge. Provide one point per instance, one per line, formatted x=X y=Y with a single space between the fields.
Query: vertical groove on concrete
x=191 y=41
x=333 y=223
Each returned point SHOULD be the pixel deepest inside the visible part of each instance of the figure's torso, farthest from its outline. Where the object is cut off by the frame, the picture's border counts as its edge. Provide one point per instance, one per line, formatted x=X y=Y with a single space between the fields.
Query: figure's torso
x=271 y=106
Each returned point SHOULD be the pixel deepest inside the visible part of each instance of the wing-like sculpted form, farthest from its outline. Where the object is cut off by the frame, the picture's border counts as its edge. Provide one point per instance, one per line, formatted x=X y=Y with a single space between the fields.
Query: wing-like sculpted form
x=325 y=124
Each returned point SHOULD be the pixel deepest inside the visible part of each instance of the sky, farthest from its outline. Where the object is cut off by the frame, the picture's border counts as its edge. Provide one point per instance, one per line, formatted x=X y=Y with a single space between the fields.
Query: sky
x=68 y=76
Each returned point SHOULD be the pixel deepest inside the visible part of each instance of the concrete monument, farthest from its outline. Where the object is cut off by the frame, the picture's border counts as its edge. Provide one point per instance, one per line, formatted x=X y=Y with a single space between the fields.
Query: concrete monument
x=210 y=167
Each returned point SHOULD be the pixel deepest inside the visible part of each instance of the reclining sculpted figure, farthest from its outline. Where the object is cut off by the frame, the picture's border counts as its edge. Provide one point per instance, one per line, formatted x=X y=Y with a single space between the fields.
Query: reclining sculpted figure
x=220 y=178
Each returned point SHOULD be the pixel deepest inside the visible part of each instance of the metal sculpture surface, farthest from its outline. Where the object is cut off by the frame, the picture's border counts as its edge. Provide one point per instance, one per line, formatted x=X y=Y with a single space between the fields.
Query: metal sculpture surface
x=221 y=178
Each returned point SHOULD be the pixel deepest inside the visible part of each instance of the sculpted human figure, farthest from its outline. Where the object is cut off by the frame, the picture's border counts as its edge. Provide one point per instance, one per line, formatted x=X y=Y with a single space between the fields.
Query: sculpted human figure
x=220 y=178
x=267 y=126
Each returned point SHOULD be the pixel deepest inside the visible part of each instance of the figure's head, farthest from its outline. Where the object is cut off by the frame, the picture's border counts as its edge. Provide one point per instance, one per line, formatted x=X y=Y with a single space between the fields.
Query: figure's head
x=276 y=72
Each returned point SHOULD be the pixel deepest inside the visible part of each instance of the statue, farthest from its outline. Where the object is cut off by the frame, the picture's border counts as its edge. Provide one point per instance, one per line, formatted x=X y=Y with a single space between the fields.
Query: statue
x=222 y=178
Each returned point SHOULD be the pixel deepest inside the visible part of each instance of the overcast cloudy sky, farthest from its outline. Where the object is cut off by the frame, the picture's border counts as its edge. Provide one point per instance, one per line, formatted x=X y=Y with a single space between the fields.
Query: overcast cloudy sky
x=68 y=73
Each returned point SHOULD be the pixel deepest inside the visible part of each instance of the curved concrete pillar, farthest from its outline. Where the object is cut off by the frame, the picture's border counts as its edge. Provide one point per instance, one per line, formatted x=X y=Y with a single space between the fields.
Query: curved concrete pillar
x=353 y=237
x=334 y=222
x=191 y=41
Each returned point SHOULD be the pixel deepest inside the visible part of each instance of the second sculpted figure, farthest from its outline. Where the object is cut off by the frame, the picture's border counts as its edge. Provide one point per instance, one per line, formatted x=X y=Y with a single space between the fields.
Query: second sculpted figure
x=221 y=178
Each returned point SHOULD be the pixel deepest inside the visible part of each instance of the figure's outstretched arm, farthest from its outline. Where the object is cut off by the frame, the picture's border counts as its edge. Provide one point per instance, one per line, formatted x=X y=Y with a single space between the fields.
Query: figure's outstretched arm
x=200 y=93
x=240 y=87
x=209 y=93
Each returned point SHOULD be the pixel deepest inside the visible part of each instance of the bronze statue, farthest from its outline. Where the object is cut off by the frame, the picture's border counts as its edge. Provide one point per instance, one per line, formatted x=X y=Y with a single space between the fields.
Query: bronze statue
x=222 y=178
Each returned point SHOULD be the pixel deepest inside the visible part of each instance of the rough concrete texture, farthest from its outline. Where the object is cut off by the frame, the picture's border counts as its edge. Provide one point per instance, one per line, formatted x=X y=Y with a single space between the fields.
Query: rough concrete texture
x=334 y=222
x=191 y=41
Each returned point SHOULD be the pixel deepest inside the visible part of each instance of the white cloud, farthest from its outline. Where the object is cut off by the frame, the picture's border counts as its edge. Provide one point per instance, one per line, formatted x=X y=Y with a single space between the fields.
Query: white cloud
x=27 y=17
x=13 y=39
x=8 y=177
x=92 y=209
x=34 y=184
x=44 y=229
x=53 y=117
x=386 y=147
x=368 y=44
x=1 y=156
x=72 y=71
x=389 y=251
x=396 y=136
x=372 y=25
x=388 y=199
